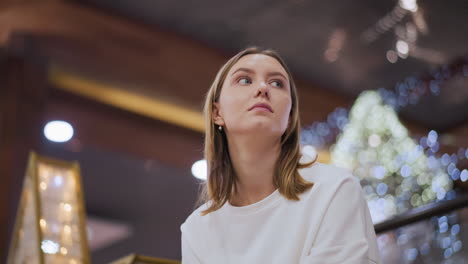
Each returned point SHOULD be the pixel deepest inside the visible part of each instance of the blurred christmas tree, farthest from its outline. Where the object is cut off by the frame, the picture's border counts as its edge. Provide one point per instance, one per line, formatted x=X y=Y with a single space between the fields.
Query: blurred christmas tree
x=396 y=172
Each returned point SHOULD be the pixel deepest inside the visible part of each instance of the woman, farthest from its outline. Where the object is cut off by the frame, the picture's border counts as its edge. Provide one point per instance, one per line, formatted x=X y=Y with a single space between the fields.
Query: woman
x=262 y=203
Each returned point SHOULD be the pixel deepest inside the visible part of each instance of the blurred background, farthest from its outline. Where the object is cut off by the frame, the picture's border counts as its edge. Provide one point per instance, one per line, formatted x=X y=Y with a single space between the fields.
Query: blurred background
x=383 y=91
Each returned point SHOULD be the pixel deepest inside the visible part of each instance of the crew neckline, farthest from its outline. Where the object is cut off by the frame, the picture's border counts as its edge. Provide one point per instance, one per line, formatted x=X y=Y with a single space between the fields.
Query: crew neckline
x=266 y=202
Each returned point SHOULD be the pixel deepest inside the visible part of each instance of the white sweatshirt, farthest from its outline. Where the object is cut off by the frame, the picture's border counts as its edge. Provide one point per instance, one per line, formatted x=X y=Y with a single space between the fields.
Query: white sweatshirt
x=331 y=224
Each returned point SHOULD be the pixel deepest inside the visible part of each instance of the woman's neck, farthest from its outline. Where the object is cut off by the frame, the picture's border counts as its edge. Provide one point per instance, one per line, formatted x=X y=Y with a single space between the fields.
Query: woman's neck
x=254 y=161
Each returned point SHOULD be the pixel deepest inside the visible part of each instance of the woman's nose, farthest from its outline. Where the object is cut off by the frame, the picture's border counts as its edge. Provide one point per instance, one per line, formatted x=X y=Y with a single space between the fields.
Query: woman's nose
x=263 y=89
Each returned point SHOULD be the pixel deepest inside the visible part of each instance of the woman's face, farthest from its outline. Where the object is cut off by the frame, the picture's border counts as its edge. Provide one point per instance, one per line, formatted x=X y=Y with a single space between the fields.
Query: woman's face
x=254 y=79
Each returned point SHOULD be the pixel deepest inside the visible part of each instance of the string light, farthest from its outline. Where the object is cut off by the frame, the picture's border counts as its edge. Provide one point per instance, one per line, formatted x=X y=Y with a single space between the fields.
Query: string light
x=407 y=92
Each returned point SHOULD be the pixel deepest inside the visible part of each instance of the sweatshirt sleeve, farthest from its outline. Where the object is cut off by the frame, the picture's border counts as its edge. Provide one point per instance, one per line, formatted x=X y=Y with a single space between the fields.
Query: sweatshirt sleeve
x=346 y=233
x=188 y=254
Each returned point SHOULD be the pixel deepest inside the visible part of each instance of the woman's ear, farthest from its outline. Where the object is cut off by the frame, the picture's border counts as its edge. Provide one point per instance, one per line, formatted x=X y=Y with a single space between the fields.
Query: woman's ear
x=216 y=114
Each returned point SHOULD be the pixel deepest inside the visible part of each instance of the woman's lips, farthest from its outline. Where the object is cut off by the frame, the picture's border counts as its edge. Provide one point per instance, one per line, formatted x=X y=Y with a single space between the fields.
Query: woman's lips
x=261 y=106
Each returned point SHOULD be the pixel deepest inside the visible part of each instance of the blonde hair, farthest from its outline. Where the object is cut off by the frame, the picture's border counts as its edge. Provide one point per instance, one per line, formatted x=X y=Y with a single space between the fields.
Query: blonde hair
x=221 y=179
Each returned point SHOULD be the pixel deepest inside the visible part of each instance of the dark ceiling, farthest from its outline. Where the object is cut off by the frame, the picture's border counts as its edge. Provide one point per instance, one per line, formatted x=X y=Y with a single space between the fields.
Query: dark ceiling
x=300 y=31
x=155 y=198
x=303 y=31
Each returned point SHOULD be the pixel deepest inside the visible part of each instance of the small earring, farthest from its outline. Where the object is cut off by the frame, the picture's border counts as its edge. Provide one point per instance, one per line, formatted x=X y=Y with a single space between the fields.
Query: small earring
x=220 y=128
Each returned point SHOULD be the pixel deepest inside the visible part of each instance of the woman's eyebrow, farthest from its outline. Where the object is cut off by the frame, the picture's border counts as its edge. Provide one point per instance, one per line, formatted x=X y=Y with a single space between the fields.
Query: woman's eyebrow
x=276 y=73
x=243 y=69
x=252 y=71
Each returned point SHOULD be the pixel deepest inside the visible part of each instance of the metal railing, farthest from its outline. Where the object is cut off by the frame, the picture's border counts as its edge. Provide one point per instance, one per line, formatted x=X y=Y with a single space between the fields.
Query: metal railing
x=422 y=213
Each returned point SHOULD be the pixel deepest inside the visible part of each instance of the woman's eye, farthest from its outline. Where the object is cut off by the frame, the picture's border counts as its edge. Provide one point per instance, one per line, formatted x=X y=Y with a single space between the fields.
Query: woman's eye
x=277 y=83
x=244 y=81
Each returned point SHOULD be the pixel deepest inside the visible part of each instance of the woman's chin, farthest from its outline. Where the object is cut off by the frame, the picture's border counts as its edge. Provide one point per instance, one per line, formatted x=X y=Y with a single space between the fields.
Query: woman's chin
x=262 y=127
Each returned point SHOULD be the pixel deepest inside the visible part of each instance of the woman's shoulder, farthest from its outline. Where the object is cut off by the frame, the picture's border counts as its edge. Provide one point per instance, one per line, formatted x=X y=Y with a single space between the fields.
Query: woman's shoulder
x=328 y=177
x=196 y=219
x=330 y=183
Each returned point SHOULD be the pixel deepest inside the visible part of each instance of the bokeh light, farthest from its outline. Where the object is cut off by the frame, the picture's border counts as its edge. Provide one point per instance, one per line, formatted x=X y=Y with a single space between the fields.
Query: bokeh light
x=58 y=131
x=200 y=169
